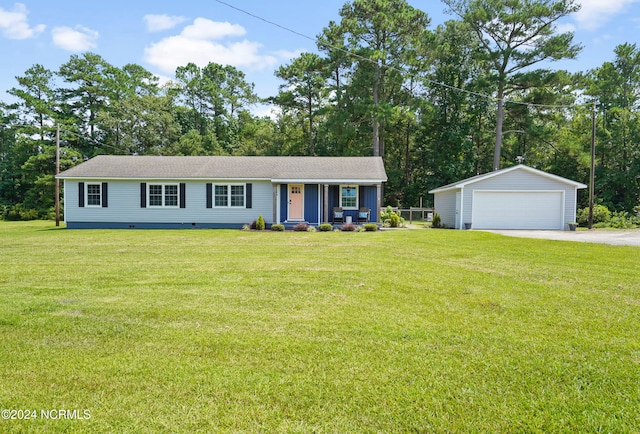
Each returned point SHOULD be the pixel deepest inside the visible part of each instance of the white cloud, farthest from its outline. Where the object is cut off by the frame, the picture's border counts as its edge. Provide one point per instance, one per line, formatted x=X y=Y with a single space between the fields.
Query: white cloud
x=200 y=43
x=158 y=23
x=596 y=13
x=77 y=39
x=14 y=23
x=203 y=28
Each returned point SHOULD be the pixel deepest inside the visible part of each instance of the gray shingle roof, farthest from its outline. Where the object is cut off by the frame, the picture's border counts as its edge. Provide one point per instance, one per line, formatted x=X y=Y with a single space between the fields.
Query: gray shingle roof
x=464 y=182
x=222 y=167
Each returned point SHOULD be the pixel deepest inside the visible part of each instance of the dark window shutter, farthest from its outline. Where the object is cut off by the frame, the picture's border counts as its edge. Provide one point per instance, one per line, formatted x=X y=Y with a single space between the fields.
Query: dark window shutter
x=209 y=195
x=183 y=195
x=105 y=195
x=248 y=193
x=81 y=194
x=143 y=195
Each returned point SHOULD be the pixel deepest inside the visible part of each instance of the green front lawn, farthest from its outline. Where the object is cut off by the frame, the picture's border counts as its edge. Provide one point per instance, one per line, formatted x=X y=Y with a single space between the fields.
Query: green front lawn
x=227 y=331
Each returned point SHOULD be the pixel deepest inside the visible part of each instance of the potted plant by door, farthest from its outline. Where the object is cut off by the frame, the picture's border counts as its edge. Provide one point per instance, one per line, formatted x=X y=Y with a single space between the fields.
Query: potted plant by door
x=573 y=226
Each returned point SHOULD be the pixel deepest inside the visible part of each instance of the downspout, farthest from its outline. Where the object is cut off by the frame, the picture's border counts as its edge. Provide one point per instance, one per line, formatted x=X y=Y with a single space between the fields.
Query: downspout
x=64 y=204
x=460 y=220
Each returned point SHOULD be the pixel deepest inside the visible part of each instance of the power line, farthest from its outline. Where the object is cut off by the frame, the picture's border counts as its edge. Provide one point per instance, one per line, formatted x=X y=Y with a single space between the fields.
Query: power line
x=393 y=68
x=95 y=141
x=66 y=130
x=267 y=21
x=347 y=52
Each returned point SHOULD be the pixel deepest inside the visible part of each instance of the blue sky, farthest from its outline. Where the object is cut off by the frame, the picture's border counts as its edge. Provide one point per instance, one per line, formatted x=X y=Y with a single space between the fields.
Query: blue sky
x=163 y=34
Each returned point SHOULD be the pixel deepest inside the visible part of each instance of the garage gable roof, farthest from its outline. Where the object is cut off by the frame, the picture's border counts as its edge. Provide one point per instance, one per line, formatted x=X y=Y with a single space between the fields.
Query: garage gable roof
x=463 y=183
x=329 y=169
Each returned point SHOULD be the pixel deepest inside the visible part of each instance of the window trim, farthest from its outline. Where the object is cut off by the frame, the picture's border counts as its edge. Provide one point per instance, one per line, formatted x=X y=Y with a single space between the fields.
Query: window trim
x=357 y=195
x=229 y=195
x=237 y=196
x=216 y=195
x=86 y=194
x=164 y=195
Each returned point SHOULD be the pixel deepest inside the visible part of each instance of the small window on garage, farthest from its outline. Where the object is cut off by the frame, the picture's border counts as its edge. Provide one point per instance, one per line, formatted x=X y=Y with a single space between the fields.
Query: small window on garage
x=94 y=194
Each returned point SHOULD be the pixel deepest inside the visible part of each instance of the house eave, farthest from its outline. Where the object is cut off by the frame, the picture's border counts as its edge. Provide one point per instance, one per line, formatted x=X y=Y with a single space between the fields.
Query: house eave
x=159 y=178
x=201 y=179
x=327 y=181
x=441 y=190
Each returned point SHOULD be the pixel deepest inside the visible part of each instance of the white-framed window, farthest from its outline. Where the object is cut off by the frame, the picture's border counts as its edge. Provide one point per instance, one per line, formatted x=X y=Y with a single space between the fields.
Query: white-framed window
x=221 y=193
x=163 y=195
x=349 y=196
x=237 y=195
x=94 y=194
x=229 y=195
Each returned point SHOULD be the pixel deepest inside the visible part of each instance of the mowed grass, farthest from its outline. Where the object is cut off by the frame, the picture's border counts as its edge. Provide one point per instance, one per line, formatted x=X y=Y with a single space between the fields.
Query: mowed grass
x=394 y=331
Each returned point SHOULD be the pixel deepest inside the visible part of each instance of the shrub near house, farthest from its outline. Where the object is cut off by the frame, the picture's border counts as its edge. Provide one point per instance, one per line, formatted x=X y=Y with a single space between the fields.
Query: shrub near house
x=390 y=218
x=260 y=225
x=603 y=218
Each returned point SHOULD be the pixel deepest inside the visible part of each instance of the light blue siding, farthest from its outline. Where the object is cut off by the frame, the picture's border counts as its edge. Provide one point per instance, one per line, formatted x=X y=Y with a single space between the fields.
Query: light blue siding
x=455 y=206
x=124 y=206
x=521 y=180
x=124 y=209
x=445 y=207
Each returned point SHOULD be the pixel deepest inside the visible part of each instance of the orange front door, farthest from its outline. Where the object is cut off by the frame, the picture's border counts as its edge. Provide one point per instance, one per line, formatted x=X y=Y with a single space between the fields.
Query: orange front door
x=295 y=201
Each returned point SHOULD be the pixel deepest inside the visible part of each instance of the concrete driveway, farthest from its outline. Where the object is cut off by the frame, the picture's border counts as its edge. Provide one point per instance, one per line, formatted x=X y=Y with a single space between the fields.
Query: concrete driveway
x=615 y=237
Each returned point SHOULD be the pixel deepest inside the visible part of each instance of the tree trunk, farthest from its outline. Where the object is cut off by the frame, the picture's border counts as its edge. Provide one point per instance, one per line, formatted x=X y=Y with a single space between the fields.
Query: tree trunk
x=407 y=154
x=310 y=106
x=340 y=142
x=496 y=150
x=376 y=123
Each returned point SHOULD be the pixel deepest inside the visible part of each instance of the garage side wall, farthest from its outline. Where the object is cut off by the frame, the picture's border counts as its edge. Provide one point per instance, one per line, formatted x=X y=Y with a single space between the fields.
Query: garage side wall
x=520 y=180
x=445 y=206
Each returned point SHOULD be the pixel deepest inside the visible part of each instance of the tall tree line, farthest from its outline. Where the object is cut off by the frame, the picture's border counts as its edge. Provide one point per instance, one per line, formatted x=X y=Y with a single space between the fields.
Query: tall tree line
x=438 y=104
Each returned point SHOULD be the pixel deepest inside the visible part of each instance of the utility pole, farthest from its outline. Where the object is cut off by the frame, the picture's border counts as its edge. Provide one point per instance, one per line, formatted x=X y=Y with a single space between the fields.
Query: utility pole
x=593 y=164
x=57 y=172
x=499 y=134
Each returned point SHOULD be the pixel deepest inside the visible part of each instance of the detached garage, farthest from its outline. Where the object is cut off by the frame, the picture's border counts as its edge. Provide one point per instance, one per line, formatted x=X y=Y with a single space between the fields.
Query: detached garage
x=519 y=197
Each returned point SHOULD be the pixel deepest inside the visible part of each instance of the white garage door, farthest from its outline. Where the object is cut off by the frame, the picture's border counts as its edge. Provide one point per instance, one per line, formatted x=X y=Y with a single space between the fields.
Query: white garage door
x=518 y=210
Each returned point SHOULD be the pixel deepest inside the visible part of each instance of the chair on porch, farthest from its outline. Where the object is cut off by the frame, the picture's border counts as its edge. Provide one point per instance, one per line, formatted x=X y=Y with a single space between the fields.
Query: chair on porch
x=338 y=215
x=363 y=215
